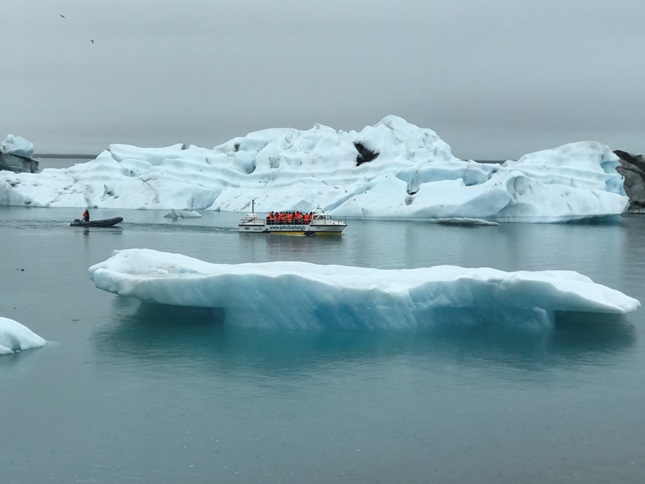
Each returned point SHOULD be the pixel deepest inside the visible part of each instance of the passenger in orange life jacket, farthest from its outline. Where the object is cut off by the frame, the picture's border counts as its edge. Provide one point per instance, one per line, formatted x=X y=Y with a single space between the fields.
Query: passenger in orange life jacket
x=86 y=215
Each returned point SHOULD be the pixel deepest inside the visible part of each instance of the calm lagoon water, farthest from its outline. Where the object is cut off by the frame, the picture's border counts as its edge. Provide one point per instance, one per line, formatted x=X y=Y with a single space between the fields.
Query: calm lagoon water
x=141 y=393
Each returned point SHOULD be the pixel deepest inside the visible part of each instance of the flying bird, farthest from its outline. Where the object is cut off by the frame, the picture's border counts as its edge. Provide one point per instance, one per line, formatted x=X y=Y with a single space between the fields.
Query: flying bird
x=62 y=15
x=92 y=41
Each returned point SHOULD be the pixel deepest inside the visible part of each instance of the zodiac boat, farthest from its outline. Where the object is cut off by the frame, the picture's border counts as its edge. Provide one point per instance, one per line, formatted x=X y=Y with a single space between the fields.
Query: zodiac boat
x=110 y=222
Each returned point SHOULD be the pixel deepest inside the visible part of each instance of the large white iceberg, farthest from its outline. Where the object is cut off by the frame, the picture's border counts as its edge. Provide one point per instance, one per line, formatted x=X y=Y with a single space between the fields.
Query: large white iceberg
x=15 y=337
x=309 y=296
x=391 y=170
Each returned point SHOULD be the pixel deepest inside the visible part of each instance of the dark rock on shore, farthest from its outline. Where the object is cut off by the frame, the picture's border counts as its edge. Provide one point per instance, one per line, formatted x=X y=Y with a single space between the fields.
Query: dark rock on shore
x=632 y=167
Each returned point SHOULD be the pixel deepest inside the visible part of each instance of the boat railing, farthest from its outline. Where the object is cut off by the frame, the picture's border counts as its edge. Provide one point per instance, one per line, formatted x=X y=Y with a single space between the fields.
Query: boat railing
x=288 y=219
x=296 y=221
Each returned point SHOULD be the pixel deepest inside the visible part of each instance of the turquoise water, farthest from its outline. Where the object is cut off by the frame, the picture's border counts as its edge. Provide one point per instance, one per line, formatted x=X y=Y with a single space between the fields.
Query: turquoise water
x=135 y=393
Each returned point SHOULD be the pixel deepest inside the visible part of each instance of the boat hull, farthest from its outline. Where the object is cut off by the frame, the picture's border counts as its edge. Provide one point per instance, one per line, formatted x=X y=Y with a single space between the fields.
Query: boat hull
x=320 y=224
x=110 y=222
x=295 y=230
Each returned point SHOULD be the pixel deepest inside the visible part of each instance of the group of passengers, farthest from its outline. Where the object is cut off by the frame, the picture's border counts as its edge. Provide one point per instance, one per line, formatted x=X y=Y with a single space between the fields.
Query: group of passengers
x=296 y=217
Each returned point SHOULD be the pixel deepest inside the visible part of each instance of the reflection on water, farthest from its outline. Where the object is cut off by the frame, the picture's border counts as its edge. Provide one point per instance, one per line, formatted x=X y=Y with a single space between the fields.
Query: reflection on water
x=186 y=336
x=15 y=365
x=576 y=338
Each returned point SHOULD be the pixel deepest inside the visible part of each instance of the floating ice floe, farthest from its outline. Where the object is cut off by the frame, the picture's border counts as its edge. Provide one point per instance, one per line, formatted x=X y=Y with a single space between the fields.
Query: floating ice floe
x=309 y=296
x=15 y=337
x=464 y=221
x=176 y=214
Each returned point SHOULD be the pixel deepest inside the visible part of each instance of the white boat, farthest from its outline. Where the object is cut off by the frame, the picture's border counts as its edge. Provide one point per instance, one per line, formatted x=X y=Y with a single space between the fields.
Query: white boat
x=317 y=223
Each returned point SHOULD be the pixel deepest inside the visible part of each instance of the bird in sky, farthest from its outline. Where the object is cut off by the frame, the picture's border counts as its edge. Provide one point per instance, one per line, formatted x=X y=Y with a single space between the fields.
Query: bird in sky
x=92 y=40
x=62 y=15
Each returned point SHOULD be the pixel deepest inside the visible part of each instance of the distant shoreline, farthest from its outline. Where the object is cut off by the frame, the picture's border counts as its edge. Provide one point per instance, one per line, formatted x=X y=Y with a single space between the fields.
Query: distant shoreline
x=67 y=156
x=92 y=157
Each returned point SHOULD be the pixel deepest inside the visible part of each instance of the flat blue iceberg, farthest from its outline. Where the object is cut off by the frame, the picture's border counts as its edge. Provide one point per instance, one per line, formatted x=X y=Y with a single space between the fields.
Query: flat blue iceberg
x=301 y=295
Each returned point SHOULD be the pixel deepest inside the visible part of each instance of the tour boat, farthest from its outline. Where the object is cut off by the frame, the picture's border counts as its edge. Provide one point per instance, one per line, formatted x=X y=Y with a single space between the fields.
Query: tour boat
x=319 y=223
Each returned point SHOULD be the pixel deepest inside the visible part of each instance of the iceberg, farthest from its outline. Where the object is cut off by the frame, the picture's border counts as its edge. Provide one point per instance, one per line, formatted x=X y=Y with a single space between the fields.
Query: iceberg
x=14 y=337
x=301 y=295
x=177 y=214
x=15 y=155
x=18 y=146
x=393 y=169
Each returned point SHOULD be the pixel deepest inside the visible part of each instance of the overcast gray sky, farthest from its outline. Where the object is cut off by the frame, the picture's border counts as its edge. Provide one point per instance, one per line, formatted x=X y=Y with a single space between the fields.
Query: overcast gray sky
x=495 y=79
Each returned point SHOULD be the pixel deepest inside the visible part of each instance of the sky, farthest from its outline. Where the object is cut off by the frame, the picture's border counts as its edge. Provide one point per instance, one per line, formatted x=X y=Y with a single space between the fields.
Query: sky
x=495 y=79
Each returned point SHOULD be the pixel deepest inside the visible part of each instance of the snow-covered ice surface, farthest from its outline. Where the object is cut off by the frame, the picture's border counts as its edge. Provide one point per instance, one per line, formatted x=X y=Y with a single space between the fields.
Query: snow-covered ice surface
x=393 y=169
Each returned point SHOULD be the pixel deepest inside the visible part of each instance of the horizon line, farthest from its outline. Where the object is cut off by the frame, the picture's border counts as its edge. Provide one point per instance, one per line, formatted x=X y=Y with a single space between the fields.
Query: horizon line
x=62 y=155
